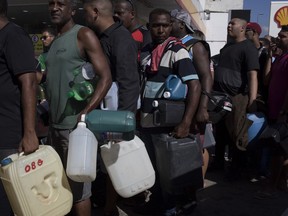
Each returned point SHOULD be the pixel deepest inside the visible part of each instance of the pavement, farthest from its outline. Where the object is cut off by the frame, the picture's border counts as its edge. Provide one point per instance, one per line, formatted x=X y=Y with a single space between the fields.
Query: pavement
x=228 y=198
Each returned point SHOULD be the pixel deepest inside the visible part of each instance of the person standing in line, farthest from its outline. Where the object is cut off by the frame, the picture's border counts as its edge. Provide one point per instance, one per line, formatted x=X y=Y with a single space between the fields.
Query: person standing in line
x=236 y=75
x=17 y=94
x=166 y=55
x=74 y=46
x=182 y=29
x=48 y=35
x=277 y=113
x=259 y=157
x=121 y=51
x=125 y=11
x=253 y=31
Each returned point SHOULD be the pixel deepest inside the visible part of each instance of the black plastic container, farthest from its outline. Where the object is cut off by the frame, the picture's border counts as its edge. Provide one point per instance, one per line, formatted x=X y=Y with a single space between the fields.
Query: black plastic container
x=168 y=113
x=177 y=159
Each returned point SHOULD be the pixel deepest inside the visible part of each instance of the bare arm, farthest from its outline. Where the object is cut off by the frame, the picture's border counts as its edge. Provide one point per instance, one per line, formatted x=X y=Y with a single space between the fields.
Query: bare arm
x=202 y=65
x=253 y=87
x=192 y=100
x=28 y=84
x=89 y=45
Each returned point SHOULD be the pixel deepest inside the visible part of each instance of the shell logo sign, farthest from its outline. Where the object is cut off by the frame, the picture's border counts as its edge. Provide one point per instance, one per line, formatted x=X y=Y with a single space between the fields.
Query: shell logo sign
x=281 y=16
x=278 y=16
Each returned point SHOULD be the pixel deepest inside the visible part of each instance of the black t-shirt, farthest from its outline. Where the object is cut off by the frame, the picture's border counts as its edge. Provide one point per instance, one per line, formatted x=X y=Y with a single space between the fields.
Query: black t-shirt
x=235 y=60
x=121 y=50
x=16 y=57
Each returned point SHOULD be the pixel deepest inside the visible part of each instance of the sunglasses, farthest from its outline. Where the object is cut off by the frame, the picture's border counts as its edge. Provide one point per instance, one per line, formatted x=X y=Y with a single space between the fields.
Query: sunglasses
x=43 y=38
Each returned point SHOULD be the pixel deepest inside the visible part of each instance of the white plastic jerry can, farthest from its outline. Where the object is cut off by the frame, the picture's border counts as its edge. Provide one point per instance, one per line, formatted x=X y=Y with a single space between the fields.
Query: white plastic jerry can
x=129 y=166
x=82 y=154
x=36 y=184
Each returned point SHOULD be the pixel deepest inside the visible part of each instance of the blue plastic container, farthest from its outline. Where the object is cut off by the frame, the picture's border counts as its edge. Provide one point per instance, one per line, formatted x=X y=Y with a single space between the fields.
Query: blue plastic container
x=174 y=88
x=259 y=123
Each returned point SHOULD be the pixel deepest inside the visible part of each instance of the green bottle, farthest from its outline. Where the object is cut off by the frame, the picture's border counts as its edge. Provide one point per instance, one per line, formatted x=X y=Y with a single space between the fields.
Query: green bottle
x=81 y=91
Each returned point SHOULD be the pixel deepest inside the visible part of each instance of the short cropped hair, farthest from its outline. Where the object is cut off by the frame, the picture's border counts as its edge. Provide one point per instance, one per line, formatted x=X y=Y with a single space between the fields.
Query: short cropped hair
x=284 y=28
x=159 y=11
x=74 y=4
x=130 y=4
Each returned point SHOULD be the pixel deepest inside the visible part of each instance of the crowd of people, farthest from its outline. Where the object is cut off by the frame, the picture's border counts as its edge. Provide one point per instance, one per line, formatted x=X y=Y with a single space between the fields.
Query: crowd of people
x=136 y=60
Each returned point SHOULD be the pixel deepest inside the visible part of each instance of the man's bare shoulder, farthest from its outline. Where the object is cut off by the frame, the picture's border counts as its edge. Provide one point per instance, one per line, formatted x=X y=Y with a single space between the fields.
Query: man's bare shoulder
x=86 y=33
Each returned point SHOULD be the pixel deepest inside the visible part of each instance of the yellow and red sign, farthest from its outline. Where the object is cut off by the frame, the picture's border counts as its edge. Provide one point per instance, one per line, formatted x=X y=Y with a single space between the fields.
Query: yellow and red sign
x=278 y=16
x=281 y=16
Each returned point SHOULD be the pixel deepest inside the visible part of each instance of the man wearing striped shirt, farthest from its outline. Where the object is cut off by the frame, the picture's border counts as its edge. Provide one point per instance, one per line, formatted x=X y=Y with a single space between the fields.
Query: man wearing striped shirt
x=165 y=56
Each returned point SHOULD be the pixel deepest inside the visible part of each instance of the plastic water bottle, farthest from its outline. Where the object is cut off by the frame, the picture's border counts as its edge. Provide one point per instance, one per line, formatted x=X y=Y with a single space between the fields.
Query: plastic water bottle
x=81 y=91
x=82 y=154
x=174 y=88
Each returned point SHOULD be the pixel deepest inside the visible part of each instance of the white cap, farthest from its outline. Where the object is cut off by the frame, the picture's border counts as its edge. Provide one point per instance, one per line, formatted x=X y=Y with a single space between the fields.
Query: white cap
x=166 y=94
x=155 y=103
x=83 y=118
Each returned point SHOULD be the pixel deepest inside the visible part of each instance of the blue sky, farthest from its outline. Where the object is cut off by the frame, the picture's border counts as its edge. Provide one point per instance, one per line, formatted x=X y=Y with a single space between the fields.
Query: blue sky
x=260 y=11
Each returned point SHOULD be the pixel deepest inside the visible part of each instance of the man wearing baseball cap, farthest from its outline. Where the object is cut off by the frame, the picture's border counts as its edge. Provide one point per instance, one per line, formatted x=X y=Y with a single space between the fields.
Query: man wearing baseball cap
x=252 y=33
x=255 y=27
x=184 y=17
x=200 y=53
x=182 y=29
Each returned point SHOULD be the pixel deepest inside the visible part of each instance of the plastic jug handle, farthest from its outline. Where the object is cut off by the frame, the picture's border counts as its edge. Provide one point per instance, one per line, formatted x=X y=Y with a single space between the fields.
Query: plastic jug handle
x=102 y=106
x=156 y=118
x=191 y=136
x=22 y=153
x=167 y=81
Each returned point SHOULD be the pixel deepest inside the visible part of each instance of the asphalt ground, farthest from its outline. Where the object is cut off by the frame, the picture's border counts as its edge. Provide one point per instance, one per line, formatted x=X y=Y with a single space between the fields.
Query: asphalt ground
x=222 y=197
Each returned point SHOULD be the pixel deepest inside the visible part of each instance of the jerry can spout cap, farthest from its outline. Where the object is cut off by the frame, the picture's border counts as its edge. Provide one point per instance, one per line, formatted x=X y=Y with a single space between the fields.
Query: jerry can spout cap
x=6 y=161
x=83 y=116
